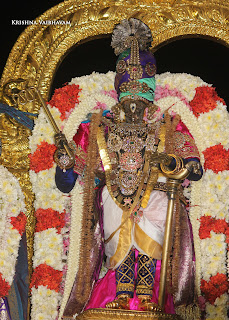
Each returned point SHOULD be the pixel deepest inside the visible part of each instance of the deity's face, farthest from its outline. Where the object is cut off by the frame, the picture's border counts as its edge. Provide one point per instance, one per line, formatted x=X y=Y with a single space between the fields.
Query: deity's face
x=134 y=110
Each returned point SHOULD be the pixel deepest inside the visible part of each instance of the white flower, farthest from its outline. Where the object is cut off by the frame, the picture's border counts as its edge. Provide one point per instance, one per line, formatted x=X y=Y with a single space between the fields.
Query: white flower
x=11 y=204
x=44 y=303
x=214 y=125
x=213 y=253
x=186 y=83
x=48 y=245
x=216 y=312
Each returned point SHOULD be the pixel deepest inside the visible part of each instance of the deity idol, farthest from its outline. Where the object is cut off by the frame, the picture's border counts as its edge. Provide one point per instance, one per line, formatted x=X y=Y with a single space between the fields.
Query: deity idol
x=132 y=144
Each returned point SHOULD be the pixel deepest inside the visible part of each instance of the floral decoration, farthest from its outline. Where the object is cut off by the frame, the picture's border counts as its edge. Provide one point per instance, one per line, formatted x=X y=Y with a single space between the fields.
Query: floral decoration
x=216 y=158
x=205 y=100
x=49 y=218
x=12 y=226
x=65 y=99
x=4 y=287
x=19 y=222
x=208 y=224
x=58 y=234
x=217 y=286
x=44 y=275
x=42 y=158
x=55 y=216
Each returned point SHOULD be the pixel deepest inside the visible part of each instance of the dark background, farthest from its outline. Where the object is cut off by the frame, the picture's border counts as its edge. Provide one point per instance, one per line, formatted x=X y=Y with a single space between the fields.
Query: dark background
x=201 y=57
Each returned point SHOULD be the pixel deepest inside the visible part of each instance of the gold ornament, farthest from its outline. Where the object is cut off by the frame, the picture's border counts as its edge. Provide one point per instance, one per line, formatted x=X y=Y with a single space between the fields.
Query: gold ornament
x=40 y=48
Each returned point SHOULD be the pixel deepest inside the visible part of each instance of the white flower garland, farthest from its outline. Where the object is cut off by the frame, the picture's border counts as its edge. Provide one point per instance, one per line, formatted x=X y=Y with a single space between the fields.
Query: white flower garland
x=11 y=205
x=209 y=196
x=74 y=248
x=214 y=125
x=202 y=129
x=82 y=110
x=185 y=83
x=48 y=244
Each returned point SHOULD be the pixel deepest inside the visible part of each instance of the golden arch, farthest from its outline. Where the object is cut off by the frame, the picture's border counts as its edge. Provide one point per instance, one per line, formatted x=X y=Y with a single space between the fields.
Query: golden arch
x=39 y=50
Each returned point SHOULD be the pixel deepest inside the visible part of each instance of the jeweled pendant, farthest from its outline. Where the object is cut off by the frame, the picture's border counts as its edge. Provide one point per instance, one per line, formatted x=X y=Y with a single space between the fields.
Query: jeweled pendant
x=64 y=160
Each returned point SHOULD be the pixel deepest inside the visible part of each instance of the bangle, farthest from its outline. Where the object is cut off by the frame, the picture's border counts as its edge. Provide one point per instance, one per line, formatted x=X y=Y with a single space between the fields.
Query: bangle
x=179 y=165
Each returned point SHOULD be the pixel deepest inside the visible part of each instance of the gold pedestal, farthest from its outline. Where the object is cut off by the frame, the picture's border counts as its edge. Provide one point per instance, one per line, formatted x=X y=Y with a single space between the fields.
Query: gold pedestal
x=111 y=314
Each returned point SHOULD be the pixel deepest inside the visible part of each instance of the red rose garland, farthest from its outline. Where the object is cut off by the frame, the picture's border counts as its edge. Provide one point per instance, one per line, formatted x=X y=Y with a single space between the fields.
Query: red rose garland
x=45 y=275
x=19 y=222
x=205 y=100
x=216 y=158
x=217 y=286
x=65 y=98
x=42 y=158
x=208 y=224
x=49 y=218
x=12 y=225
x=4 y=287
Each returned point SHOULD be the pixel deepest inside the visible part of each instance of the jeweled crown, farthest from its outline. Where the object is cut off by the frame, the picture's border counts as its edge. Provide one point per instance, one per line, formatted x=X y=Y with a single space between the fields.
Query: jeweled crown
x=136 y=65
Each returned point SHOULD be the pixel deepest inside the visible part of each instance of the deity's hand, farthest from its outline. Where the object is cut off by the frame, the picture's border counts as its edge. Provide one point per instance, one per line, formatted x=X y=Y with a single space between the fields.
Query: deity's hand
x=194 y=166
x=160 y=158
x=60 y=139
x=63 y=156
x=62 y=144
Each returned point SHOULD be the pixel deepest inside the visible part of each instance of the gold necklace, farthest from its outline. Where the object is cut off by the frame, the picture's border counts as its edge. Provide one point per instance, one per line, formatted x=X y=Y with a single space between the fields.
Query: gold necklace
x=108 y=172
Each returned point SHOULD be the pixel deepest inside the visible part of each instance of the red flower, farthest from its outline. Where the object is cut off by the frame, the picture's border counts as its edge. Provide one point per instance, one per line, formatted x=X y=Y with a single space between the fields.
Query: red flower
x=220 y=226
x=19 y=222
x=216 y=158
x=217 y=286
x=4 y=287
x=227 y=237
x=205 y=100
x=45 y=275
x=208 y=224
x=49 y=218
x=42 y=158
x=65 y=99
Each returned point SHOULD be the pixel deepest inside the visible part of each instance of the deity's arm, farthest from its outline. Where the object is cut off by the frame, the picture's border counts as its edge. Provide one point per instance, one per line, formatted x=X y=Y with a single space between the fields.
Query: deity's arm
x=195 y=162
x=66 y=179
x=185 y=147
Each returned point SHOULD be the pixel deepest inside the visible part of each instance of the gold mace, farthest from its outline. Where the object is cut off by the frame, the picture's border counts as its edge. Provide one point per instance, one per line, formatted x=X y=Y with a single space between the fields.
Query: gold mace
x=174 y=181
x=28 y=95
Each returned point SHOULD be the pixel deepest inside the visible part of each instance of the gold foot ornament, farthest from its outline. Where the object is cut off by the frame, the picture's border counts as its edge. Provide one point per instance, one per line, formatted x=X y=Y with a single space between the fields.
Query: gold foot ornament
x=121 y=302
x=147 y=305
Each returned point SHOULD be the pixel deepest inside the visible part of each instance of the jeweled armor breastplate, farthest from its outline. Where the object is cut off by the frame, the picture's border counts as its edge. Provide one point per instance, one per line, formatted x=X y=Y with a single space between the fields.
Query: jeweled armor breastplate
x=127 y=146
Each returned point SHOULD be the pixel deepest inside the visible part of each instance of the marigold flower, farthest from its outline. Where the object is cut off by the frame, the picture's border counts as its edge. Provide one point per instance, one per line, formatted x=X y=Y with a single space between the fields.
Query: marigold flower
x=208 y=224
x=19 y=222
x=42 y=158
x=216 y=158
x=49 y=218
x=205 y=100
x=213 y=289
x=45 y=275
x=65 y=98
x=4 y=287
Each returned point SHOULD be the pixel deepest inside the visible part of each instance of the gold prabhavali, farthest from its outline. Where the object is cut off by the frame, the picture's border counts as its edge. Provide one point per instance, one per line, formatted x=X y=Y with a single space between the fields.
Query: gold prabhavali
x=39 y=50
